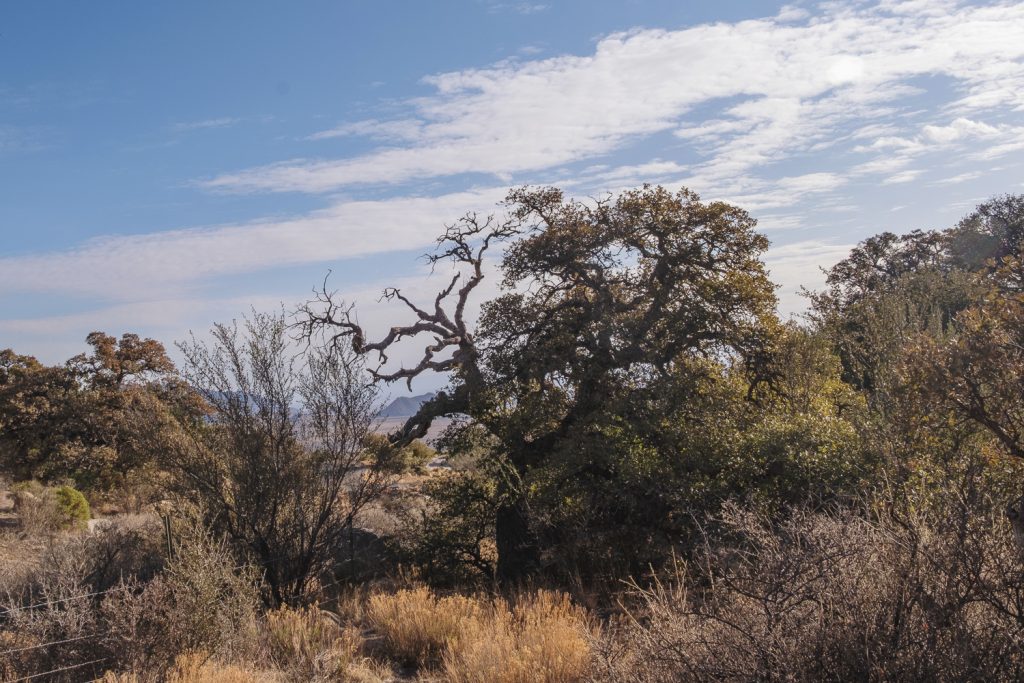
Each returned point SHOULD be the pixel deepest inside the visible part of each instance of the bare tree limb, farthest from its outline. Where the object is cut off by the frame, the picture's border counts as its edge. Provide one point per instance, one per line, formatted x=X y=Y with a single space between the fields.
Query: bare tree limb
x=464 y=243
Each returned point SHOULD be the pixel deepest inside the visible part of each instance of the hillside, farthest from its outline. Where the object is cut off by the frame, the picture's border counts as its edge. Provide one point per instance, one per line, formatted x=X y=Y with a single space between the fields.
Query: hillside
x=405 y=406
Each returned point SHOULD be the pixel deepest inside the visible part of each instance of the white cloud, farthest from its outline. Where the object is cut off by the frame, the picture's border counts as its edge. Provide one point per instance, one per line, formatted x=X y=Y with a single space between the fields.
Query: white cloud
x=974 y=140
x=959 y=129
x=798 y=81
x=519 y=7
x=223 y=122
x=402 y=129
x=755 y=194
x=621 y=177
x=733 y=102
x=959 y=178
x=902 y=177
x=137 y=266
x=801 y=264
x=55 y=338
x=779 y=222
x=845 y=69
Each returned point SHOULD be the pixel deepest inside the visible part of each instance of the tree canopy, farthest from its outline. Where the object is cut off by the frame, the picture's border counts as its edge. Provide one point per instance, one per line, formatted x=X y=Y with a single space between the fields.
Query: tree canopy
x=79 y=420
x=605 y=306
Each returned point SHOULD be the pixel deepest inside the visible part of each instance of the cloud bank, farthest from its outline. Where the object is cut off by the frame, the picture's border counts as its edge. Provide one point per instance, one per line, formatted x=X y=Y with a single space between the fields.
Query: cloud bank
x=785 y=116
x=779 y=87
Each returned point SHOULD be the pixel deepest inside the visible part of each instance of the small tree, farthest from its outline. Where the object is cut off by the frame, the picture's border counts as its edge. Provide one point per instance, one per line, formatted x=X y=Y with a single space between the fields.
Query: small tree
x=278 y=464
x=80 y=420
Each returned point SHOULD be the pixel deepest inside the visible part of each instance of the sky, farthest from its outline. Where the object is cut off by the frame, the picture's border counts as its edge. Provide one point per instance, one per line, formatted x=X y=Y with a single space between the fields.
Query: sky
x=167 y=165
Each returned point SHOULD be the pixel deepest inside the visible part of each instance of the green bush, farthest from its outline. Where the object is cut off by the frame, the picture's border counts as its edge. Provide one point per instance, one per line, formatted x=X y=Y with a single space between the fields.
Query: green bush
x=411 y=459
x=72 y=505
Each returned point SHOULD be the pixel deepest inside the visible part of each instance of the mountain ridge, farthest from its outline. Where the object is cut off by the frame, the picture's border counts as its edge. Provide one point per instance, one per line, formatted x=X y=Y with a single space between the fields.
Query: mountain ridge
x=405 y=406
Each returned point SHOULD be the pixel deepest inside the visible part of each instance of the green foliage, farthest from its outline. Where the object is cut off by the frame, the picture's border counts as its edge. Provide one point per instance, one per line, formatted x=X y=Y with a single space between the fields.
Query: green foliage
x=927 y=325
x=72 y=505
x=412 y=458
x=449 y=537
x=44 y=510
x=89 y=420
x=638 y=485
x=621 y=317
x=418 y=456
x=451 y=540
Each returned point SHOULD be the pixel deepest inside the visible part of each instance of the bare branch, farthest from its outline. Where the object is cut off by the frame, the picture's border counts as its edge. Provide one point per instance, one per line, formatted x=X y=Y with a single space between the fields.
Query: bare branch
x=464 y=243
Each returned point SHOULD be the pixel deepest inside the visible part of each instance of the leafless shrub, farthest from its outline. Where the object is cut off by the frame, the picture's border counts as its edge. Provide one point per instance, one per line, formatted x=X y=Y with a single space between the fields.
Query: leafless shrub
x=200 y=602
x=284 y=483
x=896 y=597
x=94 y=605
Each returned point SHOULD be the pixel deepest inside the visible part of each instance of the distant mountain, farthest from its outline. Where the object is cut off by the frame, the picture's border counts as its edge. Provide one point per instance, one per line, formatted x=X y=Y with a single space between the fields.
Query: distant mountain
x=405 y=406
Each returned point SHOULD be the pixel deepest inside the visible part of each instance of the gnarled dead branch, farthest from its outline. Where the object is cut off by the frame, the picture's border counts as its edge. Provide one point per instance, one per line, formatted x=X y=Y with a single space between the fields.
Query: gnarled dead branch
x=464 y=243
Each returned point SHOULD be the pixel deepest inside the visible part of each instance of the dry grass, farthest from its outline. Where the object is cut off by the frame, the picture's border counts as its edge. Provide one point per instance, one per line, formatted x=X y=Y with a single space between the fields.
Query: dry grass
x=199 y=668
x=310 y=644
x=543 y=639
x=418 y=626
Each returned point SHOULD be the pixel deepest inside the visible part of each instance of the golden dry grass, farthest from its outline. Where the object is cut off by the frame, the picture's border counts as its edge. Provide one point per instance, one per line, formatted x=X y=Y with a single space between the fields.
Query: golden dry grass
x=311 y=644
x=542 y=639
x=198 y=668
x=417 y=626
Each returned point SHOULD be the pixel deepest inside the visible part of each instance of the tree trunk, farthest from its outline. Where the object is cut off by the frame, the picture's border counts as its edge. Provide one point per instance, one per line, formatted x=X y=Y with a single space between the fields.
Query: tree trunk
x=518 y=554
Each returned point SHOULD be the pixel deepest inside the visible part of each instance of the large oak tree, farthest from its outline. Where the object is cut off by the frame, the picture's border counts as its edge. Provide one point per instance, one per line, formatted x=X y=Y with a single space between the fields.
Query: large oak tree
x=603 y=304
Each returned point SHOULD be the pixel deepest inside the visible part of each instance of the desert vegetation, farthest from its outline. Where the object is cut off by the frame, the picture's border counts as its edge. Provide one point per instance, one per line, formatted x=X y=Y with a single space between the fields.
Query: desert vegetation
x=649 y=476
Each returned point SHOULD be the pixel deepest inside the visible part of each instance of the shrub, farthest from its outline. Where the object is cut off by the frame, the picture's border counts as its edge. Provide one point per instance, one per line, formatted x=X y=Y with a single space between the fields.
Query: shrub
x=72 y=505
x=202 y=601
x=38 y=514
x=904 y=596
x=449 y=537
x=44 y=511
x=278 y=466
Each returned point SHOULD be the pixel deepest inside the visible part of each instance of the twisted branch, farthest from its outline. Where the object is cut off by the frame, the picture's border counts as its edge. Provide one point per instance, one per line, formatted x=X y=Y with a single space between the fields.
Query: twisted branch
x=464 y=243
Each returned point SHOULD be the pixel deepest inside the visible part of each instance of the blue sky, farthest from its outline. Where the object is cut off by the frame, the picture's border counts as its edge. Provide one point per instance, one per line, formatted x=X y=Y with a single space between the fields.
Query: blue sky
x=167 y=165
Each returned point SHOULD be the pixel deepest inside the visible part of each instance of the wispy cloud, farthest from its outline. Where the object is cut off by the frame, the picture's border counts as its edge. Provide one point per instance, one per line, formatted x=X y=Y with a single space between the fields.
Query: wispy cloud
x=902 y=177
x=793 y=83
x=959 y=178
x=24 y=138
x=188 y=126
x=403 y=129
x=519 y=7
x=139 y=266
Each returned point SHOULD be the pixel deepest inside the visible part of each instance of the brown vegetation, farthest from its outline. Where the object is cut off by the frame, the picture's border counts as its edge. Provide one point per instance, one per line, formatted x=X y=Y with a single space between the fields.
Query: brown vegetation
x=649 y=476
